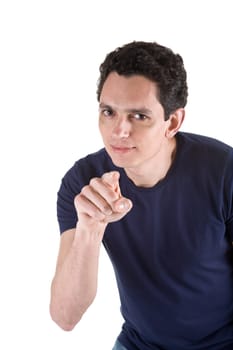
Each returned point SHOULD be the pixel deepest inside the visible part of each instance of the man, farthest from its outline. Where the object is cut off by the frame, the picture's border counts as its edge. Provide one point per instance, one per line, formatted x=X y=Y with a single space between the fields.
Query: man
x=161 y=201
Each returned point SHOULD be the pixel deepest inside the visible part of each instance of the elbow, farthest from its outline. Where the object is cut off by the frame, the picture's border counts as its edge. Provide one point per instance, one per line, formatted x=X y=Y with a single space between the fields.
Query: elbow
x=64 y=323
x=67 y=327
x=68 y=315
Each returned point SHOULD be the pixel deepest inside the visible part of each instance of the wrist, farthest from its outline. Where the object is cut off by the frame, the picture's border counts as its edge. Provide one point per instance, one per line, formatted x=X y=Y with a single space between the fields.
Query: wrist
x=90 y=233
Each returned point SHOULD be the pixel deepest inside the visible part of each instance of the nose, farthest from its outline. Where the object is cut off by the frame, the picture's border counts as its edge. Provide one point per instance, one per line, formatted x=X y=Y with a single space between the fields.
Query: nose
x=122 y=128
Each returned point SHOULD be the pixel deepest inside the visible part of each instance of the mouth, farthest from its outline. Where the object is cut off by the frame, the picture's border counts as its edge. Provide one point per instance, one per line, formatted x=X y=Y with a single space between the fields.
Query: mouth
x=121 y=149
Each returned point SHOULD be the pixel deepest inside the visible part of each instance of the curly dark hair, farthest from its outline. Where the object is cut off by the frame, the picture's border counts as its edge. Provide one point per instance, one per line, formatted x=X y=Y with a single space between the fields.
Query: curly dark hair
x=155 y=62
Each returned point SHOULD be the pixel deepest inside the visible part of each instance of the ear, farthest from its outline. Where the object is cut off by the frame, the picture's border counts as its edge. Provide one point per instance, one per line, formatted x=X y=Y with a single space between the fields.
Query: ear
x=174 y=122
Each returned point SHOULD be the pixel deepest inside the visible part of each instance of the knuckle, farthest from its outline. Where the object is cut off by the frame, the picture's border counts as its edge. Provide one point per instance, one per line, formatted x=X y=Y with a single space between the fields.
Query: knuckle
x=107 y=210
x=94 y=181
x=99 y=215
x=85 y=190
x=78 y=200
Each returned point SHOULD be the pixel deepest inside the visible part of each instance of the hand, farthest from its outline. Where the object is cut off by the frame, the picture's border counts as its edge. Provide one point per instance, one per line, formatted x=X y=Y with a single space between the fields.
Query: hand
x=101 y=201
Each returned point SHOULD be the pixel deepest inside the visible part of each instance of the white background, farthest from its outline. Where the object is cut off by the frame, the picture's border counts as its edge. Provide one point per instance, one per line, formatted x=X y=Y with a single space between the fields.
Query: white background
x=50 y=53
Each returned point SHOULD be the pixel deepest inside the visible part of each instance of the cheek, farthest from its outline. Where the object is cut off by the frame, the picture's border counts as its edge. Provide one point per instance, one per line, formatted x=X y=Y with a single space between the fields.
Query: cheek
x=104 y=132
x=101 y=125
x=144 y=135
x=149 y=140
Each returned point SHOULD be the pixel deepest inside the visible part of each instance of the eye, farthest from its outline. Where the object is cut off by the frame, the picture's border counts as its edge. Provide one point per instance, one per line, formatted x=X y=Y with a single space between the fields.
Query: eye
x=107 y=112
x=140 y=116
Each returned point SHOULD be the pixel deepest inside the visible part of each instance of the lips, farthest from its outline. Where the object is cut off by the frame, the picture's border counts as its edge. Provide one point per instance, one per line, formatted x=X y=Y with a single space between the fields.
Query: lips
x=121 y=149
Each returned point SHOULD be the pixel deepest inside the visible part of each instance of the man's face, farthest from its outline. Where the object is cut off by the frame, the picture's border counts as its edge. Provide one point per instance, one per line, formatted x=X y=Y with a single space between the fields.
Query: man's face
x=131 y=121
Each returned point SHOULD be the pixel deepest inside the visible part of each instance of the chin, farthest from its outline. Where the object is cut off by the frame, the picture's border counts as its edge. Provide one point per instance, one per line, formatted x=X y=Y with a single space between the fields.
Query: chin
x=123 y=158
x=122 y=163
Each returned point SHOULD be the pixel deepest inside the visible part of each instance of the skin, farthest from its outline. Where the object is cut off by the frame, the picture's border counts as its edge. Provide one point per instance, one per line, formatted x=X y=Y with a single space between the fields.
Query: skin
x=133 y=128
x=137 y=138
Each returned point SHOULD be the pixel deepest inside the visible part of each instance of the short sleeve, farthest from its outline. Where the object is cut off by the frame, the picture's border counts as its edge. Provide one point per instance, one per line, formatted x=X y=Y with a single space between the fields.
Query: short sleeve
x=83 y=170
x=66 y=213
x=229 y=197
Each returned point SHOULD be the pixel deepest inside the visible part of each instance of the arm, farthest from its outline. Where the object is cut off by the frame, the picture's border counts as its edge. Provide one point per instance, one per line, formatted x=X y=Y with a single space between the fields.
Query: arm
x=75 y=282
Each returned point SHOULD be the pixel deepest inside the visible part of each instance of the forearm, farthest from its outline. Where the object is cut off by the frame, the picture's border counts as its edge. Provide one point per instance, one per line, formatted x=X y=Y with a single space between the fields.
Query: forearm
x=75 y=283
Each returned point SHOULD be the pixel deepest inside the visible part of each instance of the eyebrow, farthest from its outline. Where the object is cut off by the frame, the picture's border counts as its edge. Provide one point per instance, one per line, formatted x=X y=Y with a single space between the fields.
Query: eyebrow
x=141 y=110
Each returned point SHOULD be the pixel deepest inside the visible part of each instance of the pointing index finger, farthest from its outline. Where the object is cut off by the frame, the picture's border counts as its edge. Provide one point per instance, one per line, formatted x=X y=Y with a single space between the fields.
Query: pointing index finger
x=112 y=179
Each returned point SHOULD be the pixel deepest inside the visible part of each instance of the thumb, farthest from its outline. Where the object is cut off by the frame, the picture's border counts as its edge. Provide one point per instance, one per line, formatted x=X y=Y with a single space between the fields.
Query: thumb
x=123 y=205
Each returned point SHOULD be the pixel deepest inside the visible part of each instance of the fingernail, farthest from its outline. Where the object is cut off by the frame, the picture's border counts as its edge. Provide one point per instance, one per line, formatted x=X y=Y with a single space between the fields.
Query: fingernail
x=123 y=205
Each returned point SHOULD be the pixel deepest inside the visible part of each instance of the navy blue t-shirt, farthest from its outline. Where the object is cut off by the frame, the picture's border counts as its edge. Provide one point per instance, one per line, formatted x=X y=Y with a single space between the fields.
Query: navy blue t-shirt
x=172 y=253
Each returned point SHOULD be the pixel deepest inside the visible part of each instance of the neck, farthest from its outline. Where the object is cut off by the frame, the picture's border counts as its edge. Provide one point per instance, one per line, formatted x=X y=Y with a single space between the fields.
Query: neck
x=153 y=170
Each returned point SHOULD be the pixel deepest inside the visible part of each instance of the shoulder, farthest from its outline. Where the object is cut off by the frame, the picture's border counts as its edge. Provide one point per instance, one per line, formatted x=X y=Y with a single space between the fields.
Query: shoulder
x=205 y=147
x=206 y=159
x=202 y=140
x=92 y=165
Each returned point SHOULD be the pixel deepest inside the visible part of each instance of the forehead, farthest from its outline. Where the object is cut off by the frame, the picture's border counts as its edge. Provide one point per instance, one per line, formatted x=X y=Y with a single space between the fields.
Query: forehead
x=136 y=89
